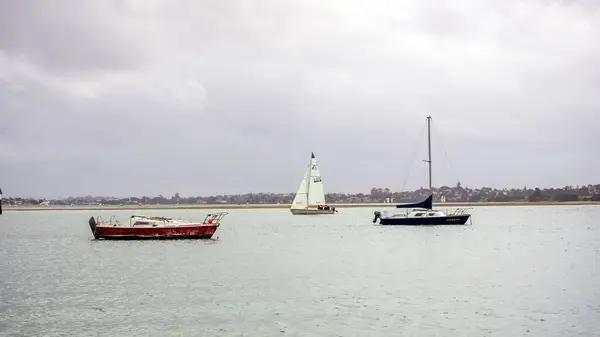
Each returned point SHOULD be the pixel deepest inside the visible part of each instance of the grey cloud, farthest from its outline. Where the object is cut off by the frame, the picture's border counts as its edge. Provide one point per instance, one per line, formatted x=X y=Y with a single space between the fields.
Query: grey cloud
x=148 y=97
x=72 y=35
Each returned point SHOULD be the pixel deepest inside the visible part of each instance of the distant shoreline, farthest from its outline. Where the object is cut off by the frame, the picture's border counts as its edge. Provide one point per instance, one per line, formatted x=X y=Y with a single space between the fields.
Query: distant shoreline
x=284 y=206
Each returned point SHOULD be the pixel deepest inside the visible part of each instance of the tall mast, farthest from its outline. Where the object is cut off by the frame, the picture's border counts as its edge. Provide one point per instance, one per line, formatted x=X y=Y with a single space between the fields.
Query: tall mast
x=429 y=148
x=308 y=181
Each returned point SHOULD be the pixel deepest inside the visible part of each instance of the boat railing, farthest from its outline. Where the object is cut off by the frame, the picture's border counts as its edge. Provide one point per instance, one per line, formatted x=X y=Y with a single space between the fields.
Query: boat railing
x=214 y=218
x=459 y=211
x=112 y=221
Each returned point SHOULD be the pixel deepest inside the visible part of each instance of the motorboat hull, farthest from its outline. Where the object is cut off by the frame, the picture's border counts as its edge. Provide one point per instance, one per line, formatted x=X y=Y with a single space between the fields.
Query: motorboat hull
x=151 y=233
x=311 y=211
x=425 y=221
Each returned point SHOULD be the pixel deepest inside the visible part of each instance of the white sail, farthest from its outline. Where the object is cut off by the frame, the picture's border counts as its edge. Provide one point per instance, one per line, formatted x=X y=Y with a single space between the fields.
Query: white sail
x=316 y=193
x=301 y=199
x=310 y=192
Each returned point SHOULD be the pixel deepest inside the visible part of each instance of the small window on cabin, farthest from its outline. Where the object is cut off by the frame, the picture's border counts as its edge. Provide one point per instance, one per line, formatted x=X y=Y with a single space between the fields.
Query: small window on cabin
x=419 y=214
x=430 y=214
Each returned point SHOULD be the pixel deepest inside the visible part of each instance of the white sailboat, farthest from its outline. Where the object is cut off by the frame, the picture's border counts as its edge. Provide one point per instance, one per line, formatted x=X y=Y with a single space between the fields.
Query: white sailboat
x=310 y=198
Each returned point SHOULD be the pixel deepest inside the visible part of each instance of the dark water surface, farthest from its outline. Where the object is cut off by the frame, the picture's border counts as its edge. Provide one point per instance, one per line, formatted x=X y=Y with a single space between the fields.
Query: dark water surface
x=517 y=271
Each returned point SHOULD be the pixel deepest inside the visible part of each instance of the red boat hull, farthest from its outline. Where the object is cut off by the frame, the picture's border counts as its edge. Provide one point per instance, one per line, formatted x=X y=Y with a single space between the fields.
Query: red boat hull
x=154 y=233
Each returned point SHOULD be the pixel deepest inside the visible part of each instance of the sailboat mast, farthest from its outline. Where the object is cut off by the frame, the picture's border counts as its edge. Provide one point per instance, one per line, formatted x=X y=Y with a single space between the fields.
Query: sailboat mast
x=429 y=148
x=312 y=155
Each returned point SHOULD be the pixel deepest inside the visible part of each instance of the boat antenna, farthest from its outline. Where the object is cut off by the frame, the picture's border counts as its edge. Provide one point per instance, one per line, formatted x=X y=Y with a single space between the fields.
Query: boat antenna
x=0 y=201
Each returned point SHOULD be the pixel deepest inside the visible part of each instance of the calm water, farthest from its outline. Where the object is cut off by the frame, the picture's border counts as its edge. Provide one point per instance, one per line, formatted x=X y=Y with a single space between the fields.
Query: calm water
x=517 y=271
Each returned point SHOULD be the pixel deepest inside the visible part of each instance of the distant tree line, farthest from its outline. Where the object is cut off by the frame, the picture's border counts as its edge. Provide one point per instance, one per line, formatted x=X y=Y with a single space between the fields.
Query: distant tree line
x=457 y=193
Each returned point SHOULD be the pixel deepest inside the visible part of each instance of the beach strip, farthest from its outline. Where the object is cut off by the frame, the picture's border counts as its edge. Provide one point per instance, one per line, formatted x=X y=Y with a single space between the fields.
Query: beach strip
x=282 y=206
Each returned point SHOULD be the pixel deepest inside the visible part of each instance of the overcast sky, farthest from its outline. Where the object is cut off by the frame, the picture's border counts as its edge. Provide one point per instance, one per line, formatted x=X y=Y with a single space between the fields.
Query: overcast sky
x=147 y=97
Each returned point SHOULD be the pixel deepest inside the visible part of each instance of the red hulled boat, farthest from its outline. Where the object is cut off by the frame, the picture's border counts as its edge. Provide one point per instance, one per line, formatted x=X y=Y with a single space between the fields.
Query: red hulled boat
x=145 y=227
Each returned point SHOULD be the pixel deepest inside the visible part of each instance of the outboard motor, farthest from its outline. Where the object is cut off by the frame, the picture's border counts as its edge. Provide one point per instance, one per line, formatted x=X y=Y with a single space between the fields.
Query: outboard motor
x=377 y=216
x=92 y=223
